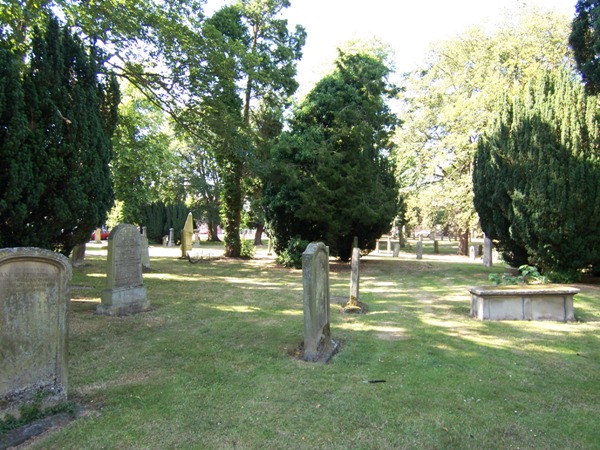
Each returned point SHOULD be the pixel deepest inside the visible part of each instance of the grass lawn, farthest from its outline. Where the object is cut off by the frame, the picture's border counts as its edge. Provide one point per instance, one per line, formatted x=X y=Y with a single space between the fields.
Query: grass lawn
x=209 y=367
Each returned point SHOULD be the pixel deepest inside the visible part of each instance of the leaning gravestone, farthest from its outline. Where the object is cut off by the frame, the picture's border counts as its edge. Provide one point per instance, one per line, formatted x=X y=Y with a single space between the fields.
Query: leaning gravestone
x=186 y=236
x=420 y=249
x=318 y=345
x=125 y=292
x=34 y=299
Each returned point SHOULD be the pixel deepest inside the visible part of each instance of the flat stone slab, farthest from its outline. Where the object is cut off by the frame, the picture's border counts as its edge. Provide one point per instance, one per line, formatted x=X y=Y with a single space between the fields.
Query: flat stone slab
x=544 y=302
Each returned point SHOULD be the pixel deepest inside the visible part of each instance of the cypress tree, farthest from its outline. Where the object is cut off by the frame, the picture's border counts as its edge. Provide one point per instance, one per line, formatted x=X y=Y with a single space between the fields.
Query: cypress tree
x=537 y=176
x=70 y=120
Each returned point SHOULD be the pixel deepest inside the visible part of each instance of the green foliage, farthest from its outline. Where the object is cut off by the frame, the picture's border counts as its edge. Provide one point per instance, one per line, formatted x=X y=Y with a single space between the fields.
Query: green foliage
x=59 y=186
x=585 y=42
x=537 y=177
x=527 y=274
x=291 y=256
x=160 y=217
x=451 y=99
x=247 y=249
x=332 y=176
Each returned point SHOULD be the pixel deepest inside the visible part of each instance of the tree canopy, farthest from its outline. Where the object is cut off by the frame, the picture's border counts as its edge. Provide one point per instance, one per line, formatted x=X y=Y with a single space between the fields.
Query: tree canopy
x=332 y=177
x=58 y=112
x=450 y=100
x=537 y=177
x=585 y=42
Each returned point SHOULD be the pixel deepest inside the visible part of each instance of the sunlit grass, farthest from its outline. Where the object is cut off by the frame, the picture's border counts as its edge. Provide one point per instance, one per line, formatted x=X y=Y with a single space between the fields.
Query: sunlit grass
x=210 y=365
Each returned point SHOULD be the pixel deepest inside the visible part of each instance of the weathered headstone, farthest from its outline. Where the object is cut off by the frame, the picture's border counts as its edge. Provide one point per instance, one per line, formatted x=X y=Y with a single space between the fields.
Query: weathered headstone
x=186 y=236
x=34 y=299
x=419 y=249
x=318 y=345
x=396 y=249
x=78 y=255
x=487 y=252
x=354 y=305
x=171 y=237
x=98 y=235
x=472 y=253
x=125 y=292
x=144 y=252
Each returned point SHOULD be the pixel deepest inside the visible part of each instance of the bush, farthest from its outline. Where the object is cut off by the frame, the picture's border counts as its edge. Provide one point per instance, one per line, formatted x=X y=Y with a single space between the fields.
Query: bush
x=292 y=255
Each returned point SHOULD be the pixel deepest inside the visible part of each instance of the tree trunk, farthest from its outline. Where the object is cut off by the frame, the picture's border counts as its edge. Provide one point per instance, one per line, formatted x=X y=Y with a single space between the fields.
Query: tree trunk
x=213 y=231
x=463 y=242
x=258 y=235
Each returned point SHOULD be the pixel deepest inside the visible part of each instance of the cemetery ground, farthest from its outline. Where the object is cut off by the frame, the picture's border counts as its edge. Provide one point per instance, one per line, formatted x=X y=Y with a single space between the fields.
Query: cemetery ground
x=212 y=364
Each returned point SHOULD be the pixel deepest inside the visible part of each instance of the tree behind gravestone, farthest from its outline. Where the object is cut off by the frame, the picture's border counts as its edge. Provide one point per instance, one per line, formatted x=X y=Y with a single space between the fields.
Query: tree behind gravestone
x=537 y=177
x=332 y=177
x=585 y=42
x=67 y=189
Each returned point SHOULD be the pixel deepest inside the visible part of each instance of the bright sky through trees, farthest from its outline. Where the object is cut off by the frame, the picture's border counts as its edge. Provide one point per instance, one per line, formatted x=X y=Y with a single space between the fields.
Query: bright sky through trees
x=409 y=26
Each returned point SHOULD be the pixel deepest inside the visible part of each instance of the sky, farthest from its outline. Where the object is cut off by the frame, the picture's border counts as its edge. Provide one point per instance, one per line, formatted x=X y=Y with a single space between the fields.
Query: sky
x=409 y=26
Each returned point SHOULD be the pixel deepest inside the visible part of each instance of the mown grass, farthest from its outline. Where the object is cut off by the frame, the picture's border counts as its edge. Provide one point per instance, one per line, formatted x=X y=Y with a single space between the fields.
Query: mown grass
x=209 y=366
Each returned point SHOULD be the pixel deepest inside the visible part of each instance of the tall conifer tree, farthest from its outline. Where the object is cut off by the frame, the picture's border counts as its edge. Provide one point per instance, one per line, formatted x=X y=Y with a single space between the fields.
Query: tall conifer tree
x=537 y=177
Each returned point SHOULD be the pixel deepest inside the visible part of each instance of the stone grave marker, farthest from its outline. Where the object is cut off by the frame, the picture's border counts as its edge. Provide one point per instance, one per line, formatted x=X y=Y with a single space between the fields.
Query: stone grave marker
x=34 y=299
x=318 y=345
x=171 y=237
x=125 y=292
x=144 y=252
x=354 y=305
x=186 y=236
x=420 y=249
x=472 y=253
x=396 y=252
x=78 y=255
x=488 y=247
x=98 y=235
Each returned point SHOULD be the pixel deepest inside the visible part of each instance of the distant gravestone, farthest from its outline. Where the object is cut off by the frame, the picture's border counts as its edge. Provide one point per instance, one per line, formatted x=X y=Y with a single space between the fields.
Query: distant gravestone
x=487 y=252
x=472 y=253
x=186 y=236
x=125 y=292
x=171 y=237
x=78 y=255
x=419 y=249
x=396 y=249
x=318 y=345
x=354 y=305
x=144 y=252
x=34 y=299
x=98 y=235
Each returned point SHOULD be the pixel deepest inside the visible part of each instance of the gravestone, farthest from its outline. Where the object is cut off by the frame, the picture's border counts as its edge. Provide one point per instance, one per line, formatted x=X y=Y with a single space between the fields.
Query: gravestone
x=125 y=292
x=472 y=253
x=318 y=345
x=98 y=235
x=419 y=249
x=396 y=249
x=487 y=252
x=354 y=305
x=78 y=255
x=171 y=237
x=186 y=236
x=144 y=252
x=34 y=299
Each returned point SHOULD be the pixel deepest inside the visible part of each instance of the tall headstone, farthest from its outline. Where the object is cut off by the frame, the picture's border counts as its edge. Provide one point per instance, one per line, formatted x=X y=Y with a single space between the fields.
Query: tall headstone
x=318 y=345
x=34 y=299
x=354 y=305
x=396 y=252
x=488 y=247
x=420 y=249
x=144 y=252
x=171 y=237
x=98 y=235
x=186 y=236
x=125 y=292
